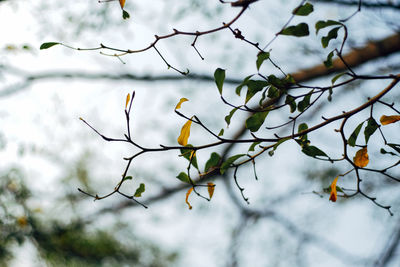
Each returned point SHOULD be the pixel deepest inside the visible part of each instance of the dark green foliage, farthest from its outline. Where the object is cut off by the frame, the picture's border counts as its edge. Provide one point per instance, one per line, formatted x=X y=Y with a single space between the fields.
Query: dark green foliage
x=328 y=62
x=253 y=146
x=260 y=59
x=219 y=77
x=353 y=137
x=140 y=190
x=187 y=153
x=303 y=10
x=313 y=151
x=254 y=122
x=229 y=116
x=323 y=24
x=125 y=14
x=244 y=83
x=230 y=161
x=253 y=87
x=303 y=104
x=290 y=100
x=273 y=92
x=213 y=161
x=183 y=177
x=299 y=30
x=370 y=129
x=48 y=45
x=336 y=77
x=332 y=34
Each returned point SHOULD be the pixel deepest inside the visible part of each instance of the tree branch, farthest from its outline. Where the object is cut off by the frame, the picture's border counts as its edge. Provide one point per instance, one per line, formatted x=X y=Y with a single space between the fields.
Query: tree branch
x=355 y=58
x=386 y=5
x=358 y=56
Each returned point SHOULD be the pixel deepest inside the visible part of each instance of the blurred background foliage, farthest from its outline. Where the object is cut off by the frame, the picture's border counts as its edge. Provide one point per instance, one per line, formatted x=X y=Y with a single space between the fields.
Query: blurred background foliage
x=72 y=241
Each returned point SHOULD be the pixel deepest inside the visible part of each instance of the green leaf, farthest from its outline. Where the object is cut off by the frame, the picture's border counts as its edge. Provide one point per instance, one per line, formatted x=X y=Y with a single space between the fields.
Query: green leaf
x=186 y=153
x=271 y=153
x=289 y=79
x=230 y=161
x=328 y=62
x=253 y=87
x=263 y=97
x=332 y=34
x=255 y=121
x=139 y=191
x=48 y=45
x=260 y=58
x=253 y=146
x=303 y=127
x=370 y=129
x=323 y=24
x=125 y=14
x=353 y=137
x=219 y=76
x=213 y=161
x=221 y=133
x=299 y=30
x=290 y=100
x=273 y=92
x=183 y=177
x=272 y=79
x=228 y=117
x=313 y=151
x=127 y=178
x=303 y=10
x=334 y=79
x=303 y=104
x=239 y=88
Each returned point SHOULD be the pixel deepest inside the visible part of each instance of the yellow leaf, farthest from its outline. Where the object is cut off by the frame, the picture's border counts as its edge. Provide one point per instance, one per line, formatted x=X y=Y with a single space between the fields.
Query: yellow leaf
x=333 y=196
x=187 y=197
x=210 y=187
x=185 y=133
x=361 y=158
x=389 y=119
x=128 y=97
x=178 y=106
x=122 y=3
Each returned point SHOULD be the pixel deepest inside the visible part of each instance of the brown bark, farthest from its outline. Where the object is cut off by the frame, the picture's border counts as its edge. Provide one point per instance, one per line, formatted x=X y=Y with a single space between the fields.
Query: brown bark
x=357 y=57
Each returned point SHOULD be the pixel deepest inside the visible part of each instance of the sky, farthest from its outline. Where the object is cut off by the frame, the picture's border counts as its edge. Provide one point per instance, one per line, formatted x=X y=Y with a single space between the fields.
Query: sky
x=44 y=134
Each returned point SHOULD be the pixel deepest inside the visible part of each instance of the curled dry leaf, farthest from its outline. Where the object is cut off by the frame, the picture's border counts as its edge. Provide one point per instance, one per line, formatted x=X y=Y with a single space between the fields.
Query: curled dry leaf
x=333 y=196
x=185 y=133
x=122 y=3
x=187 y=197
x=178 y=106
x=128 y=97
x=210 y=187
x=389 y=119
x=361 y=158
